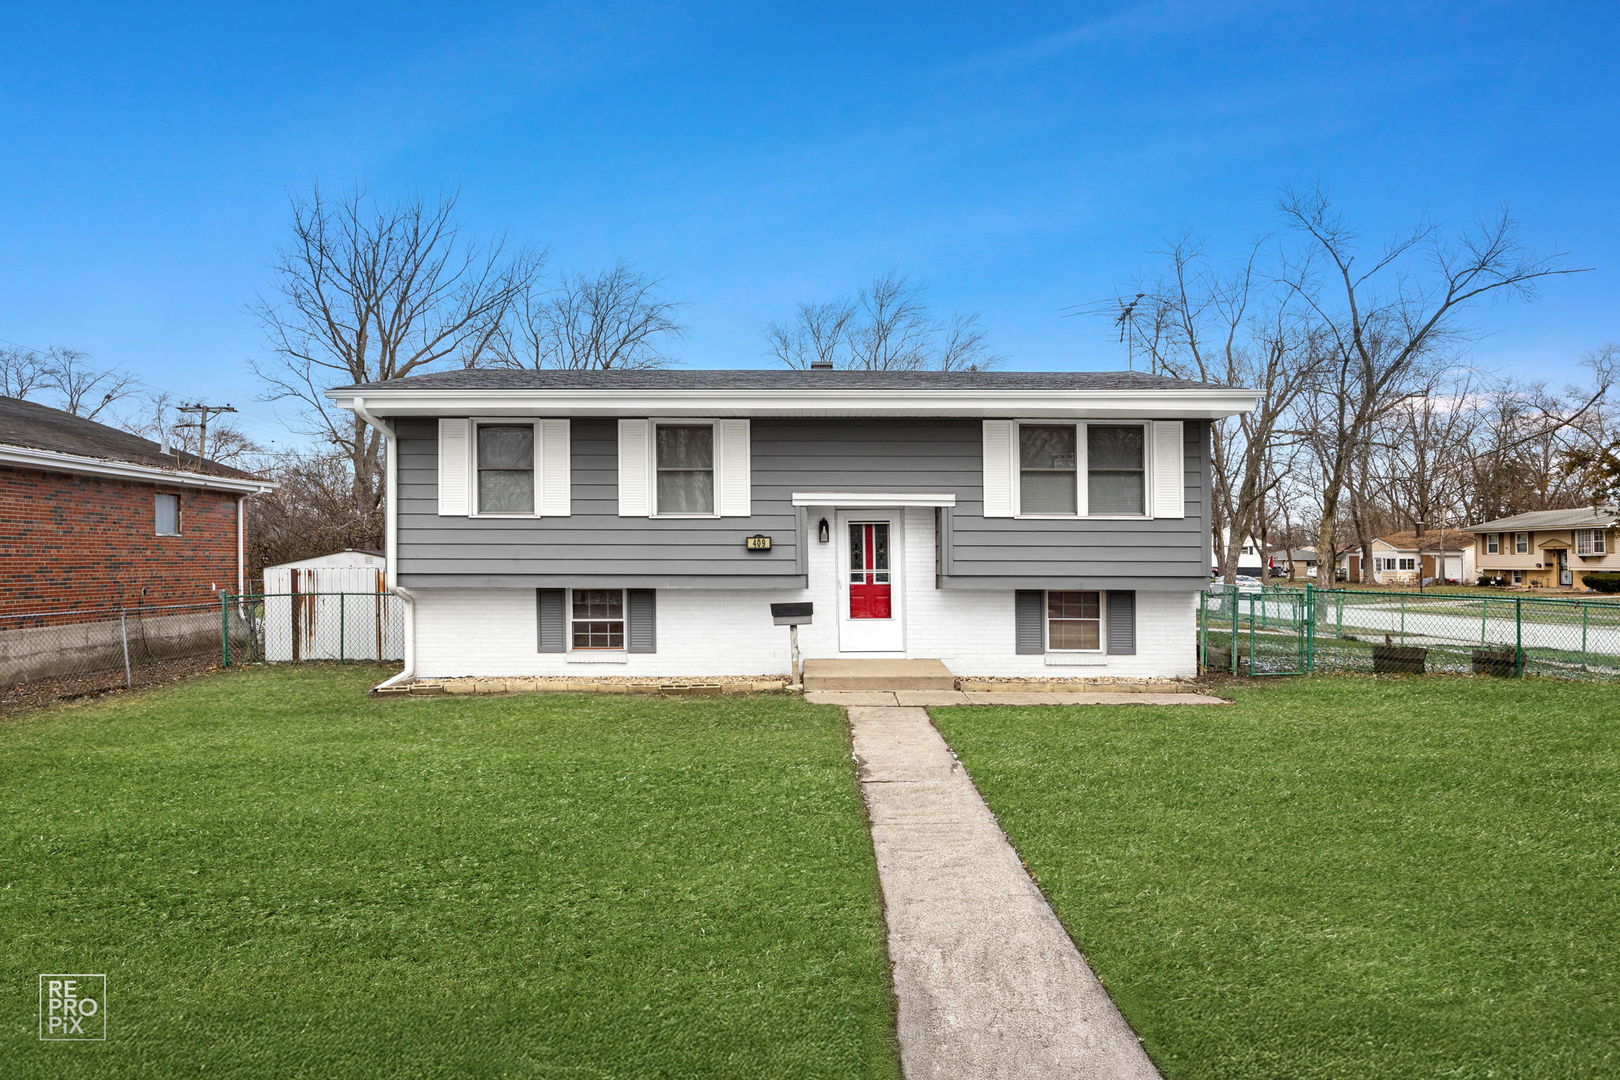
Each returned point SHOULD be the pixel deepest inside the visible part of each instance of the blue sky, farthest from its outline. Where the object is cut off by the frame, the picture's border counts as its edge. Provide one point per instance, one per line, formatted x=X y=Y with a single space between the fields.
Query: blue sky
x=1014 y=157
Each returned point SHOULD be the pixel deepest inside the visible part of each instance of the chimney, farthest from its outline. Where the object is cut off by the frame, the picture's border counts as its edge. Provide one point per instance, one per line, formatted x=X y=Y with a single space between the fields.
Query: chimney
x=821 y=364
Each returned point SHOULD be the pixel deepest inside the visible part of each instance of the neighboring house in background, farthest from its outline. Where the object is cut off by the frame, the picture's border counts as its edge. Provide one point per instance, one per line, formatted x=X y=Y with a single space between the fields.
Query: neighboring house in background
x=1303 y=561
x=1405 y=558
x=96 y=517
x=1251 y=559
x=552 y=522
x=1549 y=548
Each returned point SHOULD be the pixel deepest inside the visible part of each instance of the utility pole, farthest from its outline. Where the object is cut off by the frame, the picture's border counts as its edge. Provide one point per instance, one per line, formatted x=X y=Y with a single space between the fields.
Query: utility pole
x=203 y=413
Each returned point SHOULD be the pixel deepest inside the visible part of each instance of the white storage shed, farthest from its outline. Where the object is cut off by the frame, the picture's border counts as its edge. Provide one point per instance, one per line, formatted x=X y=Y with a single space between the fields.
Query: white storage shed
x=332 y=607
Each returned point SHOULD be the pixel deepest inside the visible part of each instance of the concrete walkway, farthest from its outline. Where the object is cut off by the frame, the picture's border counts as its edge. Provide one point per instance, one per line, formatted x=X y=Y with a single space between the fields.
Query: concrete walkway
x=932 y=698
x=988 y=982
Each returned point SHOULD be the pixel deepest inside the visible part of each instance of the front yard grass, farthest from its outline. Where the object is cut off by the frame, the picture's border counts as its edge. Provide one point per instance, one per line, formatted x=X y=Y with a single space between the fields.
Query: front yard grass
x=1334 y=877
x=283 y=878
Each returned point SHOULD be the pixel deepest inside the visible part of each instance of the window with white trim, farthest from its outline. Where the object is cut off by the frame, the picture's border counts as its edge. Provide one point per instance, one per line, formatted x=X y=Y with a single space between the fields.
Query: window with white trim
x=1521 y=543
x=1048 y=469
x=683 y=465
x=596 y=619
x=166 y=514
x=1088 y=468
x=1518 y=577
x=1074 y=622
x=1493 y=543
x=503 y=467
x=1591 y=542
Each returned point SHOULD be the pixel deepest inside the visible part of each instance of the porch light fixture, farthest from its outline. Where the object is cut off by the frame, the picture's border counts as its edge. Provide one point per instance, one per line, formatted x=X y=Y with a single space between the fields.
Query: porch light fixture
x=823 y=533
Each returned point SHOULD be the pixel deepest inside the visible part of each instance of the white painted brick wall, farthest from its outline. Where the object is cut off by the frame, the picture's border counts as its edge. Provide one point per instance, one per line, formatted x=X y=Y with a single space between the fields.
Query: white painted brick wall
x=729 y=631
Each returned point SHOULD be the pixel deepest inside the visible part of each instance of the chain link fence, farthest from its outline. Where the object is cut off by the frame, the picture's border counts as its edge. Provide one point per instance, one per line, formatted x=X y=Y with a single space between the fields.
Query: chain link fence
x=303 y=626
x=47 y=656
x=55 y=654
x=1284 y=631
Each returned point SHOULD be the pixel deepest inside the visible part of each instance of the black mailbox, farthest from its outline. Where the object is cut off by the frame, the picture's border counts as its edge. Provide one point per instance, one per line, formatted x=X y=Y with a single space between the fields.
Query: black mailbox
x=792 y=614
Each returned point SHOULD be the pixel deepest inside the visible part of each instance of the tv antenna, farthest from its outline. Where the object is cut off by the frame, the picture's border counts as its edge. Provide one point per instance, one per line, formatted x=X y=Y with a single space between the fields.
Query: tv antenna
x=1121 y=310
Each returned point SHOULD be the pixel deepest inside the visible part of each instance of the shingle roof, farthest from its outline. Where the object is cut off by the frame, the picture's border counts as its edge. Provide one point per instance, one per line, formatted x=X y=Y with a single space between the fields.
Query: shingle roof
x=1578 y=518
x=40 y=427
x=782 y=379
x=1451 y=540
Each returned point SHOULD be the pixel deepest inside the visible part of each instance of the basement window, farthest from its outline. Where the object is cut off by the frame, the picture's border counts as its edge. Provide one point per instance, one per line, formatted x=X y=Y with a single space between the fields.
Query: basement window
x=597 y=619
x=166 y=512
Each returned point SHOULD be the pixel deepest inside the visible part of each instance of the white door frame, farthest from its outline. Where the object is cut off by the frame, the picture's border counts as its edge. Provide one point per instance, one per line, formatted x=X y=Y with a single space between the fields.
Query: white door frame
x=872 y=636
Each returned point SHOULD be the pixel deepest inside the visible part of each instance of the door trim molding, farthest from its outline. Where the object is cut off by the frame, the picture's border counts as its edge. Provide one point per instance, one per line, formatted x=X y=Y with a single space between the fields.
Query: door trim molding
x=872 y=500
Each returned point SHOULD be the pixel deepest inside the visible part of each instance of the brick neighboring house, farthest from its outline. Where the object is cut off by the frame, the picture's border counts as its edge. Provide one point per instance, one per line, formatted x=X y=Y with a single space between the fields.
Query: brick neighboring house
x=95 y=517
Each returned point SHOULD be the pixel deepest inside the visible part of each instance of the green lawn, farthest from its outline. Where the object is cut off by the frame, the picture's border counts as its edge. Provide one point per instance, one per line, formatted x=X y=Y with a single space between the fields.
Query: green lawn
x=282 y=878
x=1335 y=877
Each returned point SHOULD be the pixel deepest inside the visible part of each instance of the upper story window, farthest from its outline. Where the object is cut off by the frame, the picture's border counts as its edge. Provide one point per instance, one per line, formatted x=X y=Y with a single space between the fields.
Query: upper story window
x=684 y=462
x=1493 y=543
x=1116 y=469
x=166 y=512
x=504 y=458
x=1521 y=543
x=1047 y=469
x=1112 y=458
x=1591 y=542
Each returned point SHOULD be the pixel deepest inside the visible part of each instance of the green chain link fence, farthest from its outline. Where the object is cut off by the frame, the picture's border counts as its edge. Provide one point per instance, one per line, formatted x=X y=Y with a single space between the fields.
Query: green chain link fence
x=1288 y=631
x=273 y=628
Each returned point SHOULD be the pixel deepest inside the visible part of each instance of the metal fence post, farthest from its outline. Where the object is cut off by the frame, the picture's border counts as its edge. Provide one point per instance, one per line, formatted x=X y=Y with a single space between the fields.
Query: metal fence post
x=1237 y=631
x=1310 y=629
x=1518 y=636
x=1340 y=595
x=1403 y=620
x=224 y=629
x=343 y=623
x=1484 y=616
x=123 y=634
x=1586 y=617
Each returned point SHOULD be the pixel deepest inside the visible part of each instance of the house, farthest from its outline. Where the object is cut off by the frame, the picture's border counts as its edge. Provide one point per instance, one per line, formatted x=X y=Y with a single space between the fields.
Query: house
x=1405 y=558
x=1296 y=562
x=1548 y=548
x=542 y=522
x=96 y=517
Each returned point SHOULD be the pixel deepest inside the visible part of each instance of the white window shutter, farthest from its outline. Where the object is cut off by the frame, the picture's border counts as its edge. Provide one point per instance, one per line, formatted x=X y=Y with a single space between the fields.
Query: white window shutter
x=635 y=468
x=556 y=468
x=455 y=468
x=1000 y=468
x=1169 y=470
x=736 y=468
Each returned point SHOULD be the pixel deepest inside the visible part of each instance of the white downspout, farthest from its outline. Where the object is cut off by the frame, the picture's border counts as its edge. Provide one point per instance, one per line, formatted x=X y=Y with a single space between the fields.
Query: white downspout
x=391 y=541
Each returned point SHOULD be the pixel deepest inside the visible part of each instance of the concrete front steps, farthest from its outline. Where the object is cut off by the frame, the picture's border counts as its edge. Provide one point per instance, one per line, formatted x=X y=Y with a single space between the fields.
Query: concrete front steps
x=890 y=675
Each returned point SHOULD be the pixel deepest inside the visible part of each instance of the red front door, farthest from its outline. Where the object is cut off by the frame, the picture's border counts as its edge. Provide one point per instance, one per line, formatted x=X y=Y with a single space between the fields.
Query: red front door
x=869 y=579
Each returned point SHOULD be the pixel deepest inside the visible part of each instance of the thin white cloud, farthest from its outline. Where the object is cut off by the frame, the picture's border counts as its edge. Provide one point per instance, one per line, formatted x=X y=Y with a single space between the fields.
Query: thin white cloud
x=1153 y=18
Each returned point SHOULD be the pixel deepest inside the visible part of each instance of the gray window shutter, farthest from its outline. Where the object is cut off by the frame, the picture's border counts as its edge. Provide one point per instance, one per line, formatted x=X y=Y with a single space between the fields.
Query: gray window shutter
x=1121 y=623
x=553 y=624
x=641 y=620
x=1029 y=609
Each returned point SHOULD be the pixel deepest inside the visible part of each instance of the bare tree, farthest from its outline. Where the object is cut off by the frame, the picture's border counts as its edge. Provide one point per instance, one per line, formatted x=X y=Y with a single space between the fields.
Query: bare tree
x=84 y=390
x=312 y=511
x=1239 y=328
x=23 y=372
x=158 y=421
x=1384 y=322
x=819 y=333
x=367 y=292
x=613 y=320
x=887 y=326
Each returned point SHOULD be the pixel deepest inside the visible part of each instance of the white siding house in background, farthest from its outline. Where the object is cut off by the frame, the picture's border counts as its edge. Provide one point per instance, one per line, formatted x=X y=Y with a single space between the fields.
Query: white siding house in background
x=332 y=607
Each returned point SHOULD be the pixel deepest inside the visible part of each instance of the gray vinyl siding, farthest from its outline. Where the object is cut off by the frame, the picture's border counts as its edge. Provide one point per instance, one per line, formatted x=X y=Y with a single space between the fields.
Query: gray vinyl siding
x=595 y=547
